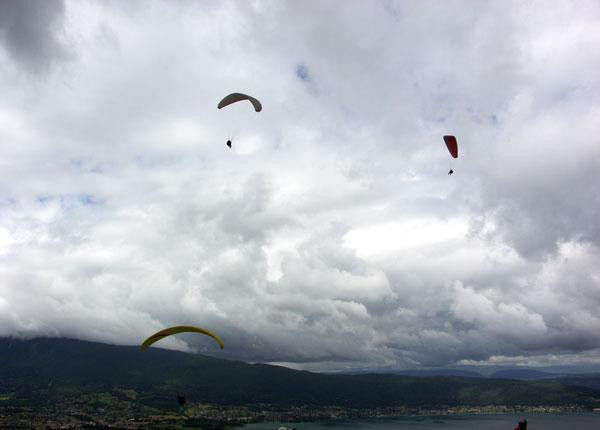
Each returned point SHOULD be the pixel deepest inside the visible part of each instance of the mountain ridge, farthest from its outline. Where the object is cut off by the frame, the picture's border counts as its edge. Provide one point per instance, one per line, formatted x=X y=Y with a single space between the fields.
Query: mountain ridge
x=48 y=368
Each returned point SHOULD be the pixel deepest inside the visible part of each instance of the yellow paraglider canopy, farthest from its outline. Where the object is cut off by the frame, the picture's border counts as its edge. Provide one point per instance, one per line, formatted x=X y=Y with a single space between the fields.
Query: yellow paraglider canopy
x=180 y=329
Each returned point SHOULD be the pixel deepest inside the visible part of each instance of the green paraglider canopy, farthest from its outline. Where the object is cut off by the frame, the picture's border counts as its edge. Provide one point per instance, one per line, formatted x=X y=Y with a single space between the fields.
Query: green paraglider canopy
x=180 y=329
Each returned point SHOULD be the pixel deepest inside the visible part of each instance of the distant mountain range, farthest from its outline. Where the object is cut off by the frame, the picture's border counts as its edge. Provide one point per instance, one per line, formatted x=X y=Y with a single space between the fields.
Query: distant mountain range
x=524 y=374
x=439 y=372
x=46 y=370
x=517 y=373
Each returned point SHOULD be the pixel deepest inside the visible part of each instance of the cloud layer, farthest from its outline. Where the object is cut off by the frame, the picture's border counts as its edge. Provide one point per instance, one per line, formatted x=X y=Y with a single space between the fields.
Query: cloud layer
x=330 y=236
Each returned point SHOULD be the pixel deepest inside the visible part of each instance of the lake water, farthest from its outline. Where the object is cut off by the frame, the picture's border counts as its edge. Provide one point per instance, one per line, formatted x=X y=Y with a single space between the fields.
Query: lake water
x=578 y=421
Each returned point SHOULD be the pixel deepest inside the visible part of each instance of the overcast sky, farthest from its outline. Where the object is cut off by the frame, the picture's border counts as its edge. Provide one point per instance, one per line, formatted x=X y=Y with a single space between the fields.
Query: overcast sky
x=330 y=237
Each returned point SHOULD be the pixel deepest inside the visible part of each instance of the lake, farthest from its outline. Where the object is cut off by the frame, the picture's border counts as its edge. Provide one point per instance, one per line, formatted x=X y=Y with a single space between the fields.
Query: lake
x=562 y=421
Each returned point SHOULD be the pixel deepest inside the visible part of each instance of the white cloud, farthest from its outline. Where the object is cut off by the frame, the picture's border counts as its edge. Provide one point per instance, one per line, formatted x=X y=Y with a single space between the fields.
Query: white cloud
x=329 y=236
x=392 y=237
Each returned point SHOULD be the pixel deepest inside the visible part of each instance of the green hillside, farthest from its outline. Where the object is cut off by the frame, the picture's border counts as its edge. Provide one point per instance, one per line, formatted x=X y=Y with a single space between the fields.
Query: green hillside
x=47 y=370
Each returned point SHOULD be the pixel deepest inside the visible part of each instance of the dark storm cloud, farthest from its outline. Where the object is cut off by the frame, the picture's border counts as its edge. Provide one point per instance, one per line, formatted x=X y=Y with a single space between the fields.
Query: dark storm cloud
x=31 y=31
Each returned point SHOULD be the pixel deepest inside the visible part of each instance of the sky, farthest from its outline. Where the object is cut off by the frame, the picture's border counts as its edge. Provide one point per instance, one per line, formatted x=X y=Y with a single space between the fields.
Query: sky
x=330 y=236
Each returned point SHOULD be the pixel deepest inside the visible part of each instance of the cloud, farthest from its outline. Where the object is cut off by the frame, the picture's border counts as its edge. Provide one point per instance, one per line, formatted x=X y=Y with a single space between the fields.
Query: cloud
x=32 y=32
x=302 y=72
x=329 y=237
x=547 y=139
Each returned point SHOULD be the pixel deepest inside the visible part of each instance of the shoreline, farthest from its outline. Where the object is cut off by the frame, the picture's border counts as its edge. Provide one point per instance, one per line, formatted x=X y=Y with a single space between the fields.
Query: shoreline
x=217 y=417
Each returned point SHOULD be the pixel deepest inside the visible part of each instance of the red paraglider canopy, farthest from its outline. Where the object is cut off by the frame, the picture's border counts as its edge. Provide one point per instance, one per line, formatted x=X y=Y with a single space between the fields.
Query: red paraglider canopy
x=452 y=145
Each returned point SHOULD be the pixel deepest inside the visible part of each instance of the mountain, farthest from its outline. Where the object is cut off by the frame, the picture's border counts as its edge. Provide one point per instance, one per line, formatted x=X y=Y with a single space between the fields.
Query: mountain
x=590 y=380
x=523 y=374
x=439 y=372
x=50 y=370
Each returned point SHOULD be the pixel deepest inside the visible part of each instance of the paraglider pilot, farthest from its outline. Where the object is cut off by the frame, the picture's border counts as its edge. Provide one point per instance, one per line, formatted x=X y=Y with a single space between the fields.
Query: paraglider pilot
x=229 y=143
x=522 y=424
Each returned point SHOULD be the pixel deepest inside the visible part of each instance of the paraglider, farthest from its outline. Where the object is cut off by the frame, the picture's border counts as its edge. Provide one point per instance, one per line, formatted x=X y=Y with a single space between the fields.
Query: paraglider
x=522 y=425
x=452 y=146
x=238 y=97
x=180 y=329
